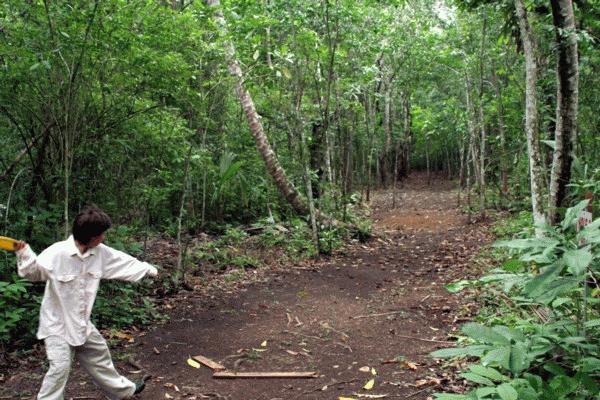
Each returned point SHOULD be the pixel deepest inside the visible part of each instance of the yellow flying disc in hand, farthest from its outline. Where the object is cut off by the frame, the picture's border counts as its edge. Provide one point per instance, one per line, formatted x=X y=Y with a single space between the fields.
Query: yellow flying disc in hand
x=7 y=243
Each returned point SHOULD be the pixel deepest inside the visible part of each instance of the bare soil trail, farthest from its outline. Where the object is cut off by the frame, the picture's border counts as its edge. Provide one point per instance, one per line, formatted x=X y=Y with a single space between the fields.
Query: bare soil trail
x=381 y=304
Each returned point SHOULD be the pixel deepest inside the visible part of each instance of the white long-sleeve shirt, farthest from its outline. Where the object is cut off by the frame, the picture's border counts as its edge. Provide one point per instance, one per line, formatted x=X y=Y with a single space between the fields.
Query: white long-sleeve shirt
x=72 y=281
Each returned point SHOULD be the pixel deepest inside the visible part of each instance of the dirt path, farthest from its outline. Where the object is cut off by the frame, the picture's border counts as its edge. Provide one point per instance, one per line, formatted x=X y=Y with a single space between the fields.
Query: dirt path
x=383 y=300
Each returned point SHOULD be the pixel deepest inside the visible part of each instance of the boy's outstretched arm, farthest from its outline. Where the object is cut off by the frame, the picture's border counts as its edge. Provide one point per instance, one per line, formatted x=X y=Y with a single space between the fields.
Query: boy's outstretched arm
x=27 y=265
x=122 y=266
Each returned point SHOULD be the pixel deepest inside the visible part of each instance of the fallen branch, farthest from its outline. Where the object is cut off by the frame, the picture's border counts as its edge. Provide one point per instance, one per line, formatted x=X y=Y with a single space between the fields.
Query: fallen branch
x=377 y=315
x=215 y=366
x=427 y=340
x=262 y=375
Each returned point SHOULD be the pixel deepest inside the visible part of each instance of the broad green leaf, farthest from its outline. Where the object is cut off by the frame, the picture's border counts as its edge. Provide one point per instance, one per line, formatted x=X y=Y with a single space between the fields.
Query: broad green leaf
x=590 y=234
x=577 y=261
x=474 y=351
x=512 y=265
x=592 y=323
x=554 y=369
x=487 y=372
x=509 y=333
x=477 y=378
x=449 y=396
x=518 y=359
x=556 y=288
x=485 y=391
x=457 y=286
x=590 y=364
x=497 y=277
x=572 y=214
x=498 y=357
x=534 y=381
x=539 y=284
x=530 y=243
x=507 y=392
x=561 y=301
x=563 y=385
x=483 y=334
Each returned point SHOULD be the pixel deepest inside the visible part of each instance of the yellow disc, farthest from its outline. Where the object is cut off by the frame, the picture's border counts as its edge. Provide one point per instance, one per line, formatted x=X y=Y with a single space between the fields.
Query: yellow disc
x=7 y=243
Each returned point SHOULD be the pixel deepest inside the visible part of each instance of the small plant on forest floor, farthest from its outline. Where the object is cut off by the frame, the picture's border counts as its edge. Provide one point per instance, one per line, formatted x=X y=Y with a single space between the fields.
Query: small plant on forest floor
x=542 y=341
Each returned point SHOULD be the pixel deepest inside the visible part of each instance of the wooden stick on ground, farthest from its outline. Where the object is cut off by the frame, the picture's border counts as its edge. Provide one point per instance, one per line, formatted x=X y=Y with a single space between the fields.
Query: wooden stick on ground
x=215 y=366
x=377 y=315
x=259 y=375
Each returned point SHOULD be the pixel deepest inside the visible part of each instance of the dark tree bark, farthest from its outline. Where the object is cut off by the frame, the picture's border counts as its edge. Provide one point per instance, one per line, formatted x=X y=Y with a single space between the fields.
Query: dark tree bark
x=567 y=73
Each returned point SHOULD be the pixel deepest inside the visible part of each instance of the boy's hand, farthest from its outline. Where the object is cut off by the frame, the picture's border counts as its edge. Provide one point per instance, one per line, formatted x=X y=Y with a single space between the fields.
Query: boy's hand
x=20 y=245
x=153 y=272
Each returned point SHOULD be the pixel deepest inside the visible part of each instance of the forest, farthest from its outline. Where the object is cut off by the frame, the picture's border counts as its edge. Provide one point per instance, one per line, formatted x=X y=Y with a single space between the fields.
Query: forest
x=204 y=128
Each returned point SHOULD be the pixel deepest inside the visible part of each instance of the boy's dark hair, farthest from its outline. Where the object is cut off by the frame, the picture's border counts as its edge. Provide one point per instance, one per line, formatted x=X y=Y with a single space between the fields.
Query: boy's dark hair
x=89 y=223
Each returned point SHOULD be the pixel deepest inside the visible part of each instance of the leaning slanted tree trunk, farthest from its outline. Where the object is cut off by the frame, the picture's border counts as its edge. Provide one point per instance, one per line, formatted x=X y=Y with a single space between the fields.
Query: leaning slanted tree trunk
x=567 y=74
x=262 y=143
x=531 y=116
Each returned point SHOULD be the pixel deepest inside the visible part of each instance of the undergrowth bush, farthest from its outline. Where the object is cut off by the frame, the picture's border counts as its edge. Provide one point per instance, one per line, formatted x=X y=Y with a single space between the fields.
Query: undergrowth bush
x=543 y=342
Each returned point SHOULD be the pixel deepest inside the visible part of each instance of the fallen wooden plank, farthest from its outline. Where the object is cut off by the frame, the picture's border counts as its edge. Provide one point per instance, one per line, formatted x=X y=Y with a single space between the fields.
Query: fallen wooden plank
x=259 y=375
x=215 y=366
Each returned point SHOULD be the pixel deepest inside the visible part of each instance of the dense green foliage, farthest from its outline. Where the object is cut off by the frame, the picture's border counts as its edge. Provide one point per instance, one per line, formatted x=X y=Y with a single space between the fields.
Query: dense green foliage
x=542 y=340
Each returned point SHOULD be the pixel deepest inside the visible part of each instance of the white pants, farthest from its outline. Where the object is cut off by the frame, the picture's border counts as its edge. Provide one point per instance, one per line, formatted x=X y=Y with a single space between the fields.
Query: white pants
x=94 y=356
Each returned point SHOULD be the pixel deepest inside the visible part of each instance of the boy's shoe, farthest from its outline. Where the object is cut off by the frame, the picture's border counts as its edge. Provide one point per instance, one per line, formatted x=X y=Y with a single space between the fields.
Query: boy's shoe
x=139 y=386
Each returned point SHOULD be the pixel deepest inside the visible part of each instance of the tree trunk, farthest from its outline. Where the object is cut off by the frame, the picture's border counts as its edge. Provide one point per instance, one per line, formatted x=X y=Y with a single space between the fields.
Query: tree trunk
x=531 y=116
x=256 y=128
x=567 y=71
x=502 y=132
x=472 y=148
x=387 y=147
x=483 y=133
x=407 y=131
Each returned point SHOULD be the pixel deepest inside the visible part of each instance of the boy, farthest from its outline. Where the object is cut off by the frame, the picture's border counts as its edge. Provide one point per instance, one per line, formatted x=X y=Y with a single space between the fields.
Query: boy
x=72 y=270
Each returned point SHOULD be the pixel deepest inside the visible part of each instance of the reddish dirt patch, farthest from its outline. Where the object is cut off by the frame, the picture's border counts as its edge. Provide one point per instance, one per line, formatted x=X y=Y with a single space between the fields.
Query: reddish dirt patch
x=375 y=302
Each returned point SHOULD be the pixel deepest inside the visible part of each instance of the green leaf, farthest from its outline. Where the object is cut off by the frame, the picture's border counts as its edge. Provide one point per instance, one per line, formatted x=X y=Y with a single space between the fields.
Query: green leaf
x=590 y=364
x=449 y=396
x=592 y=323
x=539 y=284
x=483 y=334
x=477 y=378
x=561 y=301
x=518 y=359
x=563 y=385
x=554 y=369
x=485 y=391
x=507 y=392
x=577 y=261
x=487 y=372
x=512 y=265
x=498 y=357
x=531 y=243
x=474 y=351
x=557 y=288
x=457 y=286
x=572 y=214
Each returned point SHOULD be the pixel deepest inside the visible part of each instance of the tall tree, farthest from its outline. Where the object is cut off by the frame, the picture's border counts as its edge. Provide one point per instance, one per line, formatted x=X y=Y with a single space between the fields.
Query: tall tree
x=531 y=114
x=567 y=93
